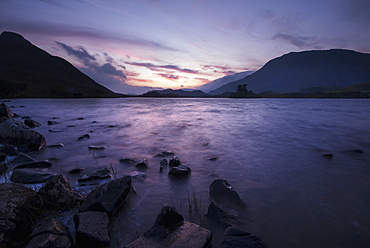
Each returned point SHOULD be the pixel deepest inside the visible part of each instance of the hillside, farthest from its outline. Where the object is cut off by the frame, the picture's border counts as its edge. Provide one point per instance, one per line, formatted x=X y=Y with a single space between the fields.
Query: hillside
x=223 y=80
x=28 y=71
x=175 y=93
x=307 y=70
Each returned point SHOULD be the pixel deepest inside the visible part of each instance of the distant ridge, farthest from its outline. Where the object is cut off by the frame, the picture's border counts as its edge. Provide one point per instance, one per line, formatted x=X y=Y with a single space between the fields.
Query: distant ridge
x=28 y=71
x=297 y=71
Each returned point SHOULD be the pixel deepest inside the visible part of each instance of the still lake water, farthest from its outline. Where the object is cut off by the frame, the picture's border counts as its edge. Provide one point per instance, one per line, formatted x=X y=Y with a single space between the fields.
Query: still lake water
x=269 y=150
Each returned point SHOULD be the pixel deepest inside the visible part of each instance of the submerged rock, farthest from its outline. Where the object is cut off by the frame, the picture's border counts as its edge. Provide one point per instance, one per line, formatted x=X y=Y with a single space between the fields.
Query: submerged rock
x=51 y=234
x=92 y=229
x=165 y=154
x=31 y=123
x=170 y=230
x=93 y=147
x=58 y=145
x=52 y=122
x=127 y=161
x=138 y=175
x=180 y=171
x=236 y=238
x=142 y=164
x=32 y=175
x=36 y=164
x=108 y=197
x=85 y=136
x=19 y=135
x=224 y=194
x=58 y=193
x=174 y=162
x=97 y=175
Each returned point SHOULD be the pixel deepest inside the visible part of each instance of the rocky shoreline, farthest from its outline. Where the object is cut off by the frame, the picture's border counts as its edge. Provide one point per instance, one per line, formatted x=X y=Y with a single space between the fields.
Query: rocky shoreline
x=30 y=216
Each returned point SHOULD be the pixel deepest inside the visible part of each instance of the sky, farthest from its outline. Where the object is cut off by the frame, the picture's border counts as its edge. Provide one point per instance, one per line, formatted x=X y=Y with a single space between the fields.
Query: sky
x=132 y=46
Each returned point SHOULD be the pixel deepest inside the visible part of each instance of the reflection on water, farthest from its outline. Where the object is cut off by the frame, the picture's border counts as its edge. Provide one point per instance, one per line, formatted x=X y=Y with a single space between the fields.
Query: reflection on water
x=269 y=150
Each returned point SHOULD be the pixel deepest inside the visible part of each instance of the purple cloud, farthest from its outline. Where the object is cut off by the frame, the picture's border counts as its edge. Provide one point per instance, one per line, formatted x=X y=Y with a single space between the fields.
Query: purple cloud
x=160 y=67
x=301 y=42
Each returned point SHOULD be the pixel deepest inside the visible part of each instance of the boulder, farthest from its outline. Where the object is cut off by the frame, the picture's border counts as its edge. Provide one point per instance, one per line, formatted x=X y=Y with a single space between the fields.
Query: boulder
x=222 y=193
x=108 y=197
x=19 y=208
x=57 y=193
x=51 y=234
x=180 y=171
x=31 y=123
x=32 y=165
x=92 y=229
x=174 y=162
x=5 y=111
x=170 y=230
x=19 y=135
x=142 y=164
x=31 y=176
x=236 y=238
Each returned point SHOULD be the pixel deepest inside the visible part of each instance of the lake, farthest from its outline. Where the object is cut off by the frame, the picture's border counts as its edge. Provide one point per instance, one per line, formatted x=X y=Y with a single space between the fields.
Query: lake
x=269 y=150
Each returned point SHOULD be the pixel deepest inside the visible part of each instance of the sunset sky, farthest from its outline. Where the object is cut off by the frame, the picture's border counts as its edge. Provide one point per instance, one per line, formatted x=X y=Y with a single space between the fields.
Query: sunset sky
x=122 y=44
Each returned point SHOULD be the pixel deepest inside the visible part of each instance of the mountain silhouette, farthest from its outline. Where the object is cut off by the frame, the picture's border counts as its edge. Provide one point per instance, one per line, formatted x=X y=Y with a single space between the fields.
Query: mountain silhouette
x=28 y=71
x=330 y=69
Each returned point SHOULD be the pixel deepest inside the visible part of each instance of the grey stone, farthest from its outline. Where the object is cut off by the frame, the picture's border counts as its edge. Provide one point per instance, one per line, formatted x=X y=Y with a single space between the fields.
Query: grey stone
x=58 y=193
x=236 y=238
x=31 y=176
x=108 y=197
x=51 y=234
x=92 y=229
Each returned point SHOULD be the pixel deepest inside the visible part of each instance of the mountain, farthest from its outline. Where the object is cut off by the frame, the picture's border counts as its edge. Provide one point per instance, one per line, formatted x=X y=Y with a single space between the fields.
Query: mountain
x=222 y=81
x=297 y=71
x=28 y=71
x=175 y=93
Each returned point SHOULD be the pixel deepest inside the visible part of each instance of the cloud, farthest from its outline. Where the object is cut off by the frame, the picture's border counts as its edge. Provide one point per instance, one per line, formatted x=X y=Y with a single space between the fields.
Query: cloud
x=169 y=76
x=301 y=42
x=89 y=61
x=161 y=67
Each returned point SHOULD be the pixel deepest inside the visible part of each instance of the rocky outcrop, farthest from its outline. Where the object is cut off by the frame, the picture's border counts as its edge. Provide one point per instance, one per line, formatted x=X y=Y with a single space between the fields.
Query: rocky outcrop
x=19 y=206
x=108 y=197
x=92 y=229
x=236 y=238
x=57 y=193
x=19 y=135
x=51 y=234
x=170 y=230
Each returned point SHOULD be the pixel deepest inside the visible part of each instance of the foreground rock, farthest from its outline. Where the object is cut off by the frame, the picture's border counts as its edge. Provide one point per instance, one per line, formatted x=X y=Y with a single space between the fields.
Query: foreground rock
x=19 y=207
x=108 y=197
x=19 y=135
x=222 y=193
x=92 y=229
x=58 y=194
x=32 y=175
x=51 y=234
x=236 y=238
x=170 y=230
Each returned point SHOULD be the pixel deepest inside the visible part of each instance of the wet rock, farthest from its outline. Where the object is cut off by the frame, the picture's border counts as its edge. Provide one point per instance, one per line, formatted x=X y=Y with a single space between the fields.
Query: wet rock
x=97 y=175
x=165 y=154
x=235 y=238
x=354 y=151
x=32 y=176
x=52 y=122
x=222 y=193
x=142 y=164
x=80 y=118
x=93 y=147
x=76 y=171
x=174 y=162
x=138 y=175
x=33 y=165
x=19 y=207
x=58 y=145
x=212 y=158
x=5 y=111
x=3 y=168
x=180 y=171
x=26 y=117
x=54 y=131
x=219 y=216
x=328 y=155
x=58 y=193
x=19 y=135
x=170 y=230
x=8 y=150
x=85 y=136
x=127 y=161
x=92 y=229
x=20 y=159
x=2 y=156
x=51 y=234
x=163 y=162
x=31 y=123
x=108 y=197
